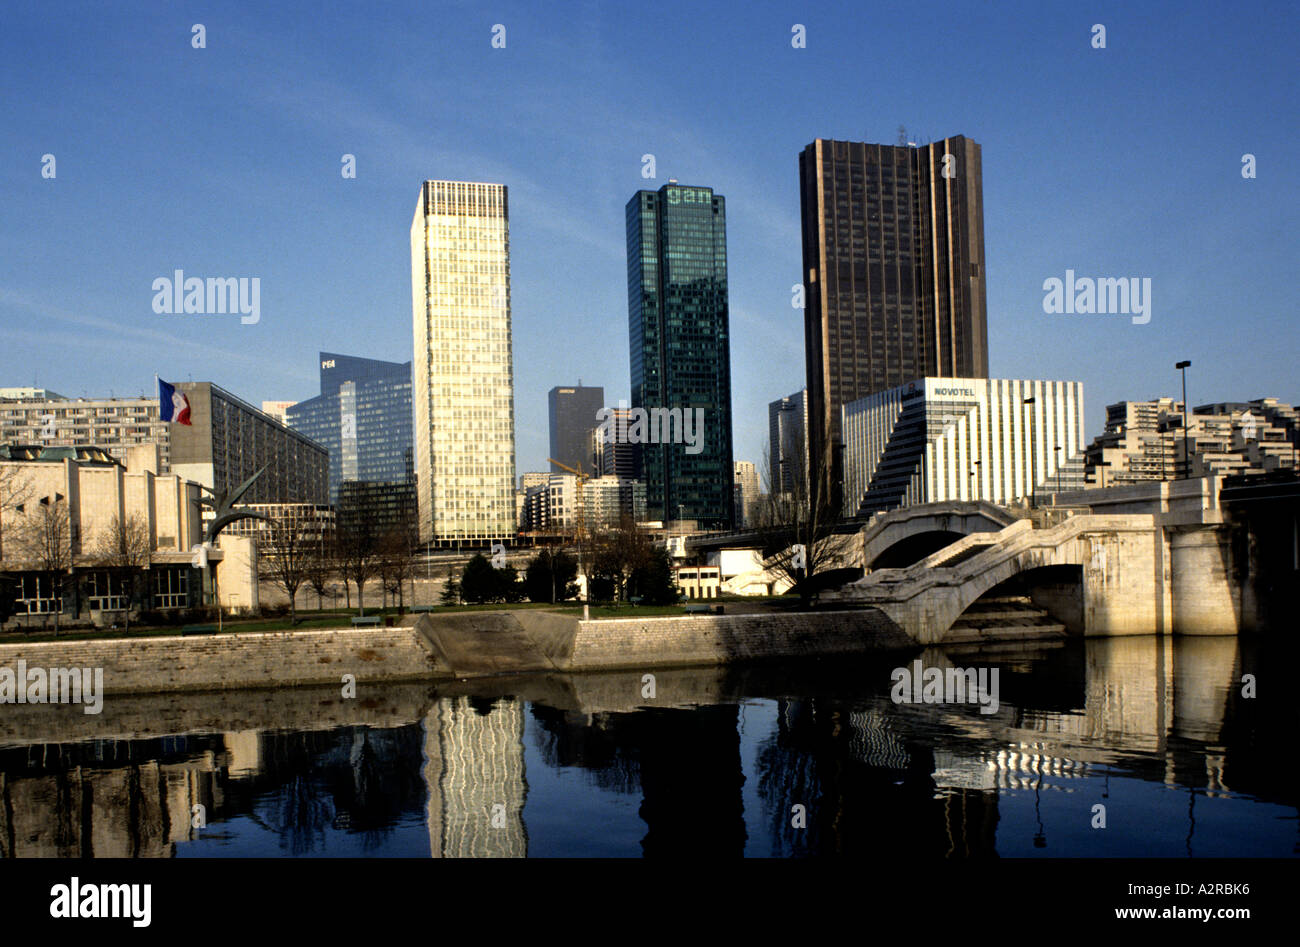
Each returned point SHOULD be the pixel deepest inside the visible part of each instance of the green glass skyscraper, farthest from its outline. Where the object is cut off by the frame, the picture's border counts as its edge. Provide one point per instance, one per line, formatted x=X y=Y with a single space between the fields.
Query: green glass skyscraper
x=680 y=352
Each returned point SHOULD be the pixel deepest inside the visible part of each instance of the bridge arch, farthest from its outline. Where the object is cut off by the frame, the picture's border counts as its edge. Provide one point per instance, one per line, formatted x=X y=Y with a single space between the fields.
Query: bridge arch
x=902 y=537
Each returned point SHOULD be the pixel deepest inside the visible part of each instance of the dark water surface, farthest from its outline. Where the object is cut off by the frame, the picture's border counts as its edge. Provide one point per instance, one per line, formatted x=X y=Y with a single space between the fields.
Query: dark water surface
x=1157 y=731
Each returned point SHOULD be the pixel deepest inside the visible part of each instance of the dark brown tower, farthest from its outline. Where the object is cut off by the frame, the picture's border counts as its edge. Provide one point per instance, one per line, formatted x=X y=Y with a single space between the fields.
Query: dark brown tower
x=893 y=252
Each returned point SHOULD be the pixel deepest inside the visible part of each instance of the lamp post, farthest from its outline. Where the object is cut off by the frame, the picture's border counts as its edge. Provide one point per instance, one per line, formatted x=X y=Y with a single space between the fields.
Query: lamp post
x=1057 y=451
x=971 y=491
x=1187 y=459
x=977 y=478
x=1033 y=458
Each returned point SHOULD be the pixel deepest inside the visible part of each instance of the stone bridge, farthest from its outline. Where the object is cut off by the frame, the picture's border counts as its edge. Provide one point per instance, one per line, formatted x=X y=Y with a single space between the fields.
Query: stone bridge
x=1117 y=556
x=1159 y=558
x=903 y=536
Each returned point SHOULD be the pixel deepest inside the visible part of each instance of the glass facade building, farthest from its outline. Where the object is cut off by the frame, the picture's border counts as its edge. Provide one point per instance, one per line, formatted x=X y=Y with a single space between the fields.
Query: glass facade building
x=787 y=422
x=464 y=373
x=893 y=256
x=680 y=347
x=362 y=416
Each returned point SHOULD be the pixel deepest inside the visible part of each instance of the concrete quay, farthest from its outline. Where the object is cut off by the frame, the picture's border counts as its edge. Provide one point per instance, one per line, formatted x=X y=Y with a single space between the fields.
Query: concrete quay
x=460 y=645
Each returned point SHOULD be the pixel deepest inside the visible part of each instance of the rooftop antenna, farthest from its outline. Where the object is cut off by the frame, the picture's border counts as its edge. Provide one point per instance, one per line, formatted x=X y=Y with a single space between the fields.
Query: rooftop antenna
x=902 y=135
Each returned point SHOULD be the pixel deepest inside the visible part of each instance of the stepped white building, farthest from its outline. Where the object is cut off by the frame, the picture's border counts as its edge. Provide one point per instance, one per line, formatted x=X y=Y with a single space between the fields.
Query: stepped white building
x=938 y=439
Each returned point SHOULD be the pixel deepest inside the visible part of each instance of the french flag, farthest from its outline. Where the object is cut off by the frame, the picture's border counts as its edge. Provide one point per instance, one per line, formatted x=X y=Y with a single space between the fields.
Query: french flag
x=174 y=405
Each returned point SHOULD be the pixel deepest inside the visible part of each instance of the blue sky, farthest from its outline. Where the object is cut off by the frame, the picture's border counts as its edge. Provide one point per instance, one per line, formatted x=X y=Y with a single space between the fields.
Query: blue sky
x=225 y=161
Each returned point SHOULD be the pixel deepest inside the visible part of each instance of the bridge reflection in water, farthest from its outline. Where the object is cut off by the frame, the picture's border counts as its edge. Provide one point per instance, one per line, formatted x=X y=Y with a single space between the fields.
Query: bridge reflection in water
x=715 y=764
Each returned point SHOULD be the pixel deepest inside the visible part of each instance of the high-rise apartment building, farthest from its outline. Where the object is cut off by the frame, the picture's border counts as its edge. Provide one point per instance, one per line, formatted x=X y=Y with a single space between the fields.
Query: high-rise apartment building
x=572 y=412
x=893 y=255
x=225 y=443
x=362 y=416
x=464 y=373
x=680 y=351
x=787 y=445
x=40 y=416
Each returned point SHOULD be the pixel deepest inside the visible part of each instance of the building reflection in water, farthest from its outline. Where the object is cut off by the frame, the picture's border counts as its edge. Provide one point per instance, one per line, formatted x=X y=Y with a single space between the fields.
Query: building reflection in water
x=474 y=776
x=876 y=778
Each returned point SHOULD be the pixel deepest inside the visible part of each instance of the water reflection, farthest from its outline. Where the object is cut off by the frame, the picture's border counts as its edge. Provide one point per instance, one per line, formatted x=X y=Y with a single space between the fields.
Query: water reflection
x=800 y=760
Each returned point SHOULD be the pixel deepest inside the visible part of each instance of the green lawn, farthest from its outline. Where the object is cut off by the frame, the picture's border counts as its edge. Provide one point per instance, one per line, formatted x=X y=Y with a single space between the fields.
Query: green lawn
x=339 y=618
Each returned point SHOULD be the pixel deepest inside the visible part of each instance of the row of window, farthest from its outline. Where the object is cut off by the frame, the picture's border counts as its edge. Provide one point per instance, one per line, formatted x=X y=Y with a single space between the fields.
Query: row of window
x=104 y=591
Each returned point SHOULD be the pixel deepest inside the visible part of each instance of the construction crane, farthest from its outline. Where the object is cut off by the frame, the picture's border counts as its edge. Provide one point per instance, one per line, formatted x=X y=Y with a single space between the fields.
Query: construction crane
x=582 y=490
x=581 y=523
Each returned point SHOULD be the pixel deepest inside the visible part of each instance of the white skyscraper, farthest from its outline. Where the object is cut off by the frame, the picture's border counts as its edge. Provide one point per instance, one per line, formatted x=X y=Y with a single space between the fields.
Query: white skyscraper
x=464 y=375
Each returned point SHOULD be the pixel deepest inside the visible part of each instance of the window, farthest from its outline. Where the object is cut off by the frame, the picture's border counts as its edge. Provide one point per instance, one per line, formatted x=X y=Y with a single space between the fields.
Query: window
x=36 y=595
x=106 y=591
x=171 y=588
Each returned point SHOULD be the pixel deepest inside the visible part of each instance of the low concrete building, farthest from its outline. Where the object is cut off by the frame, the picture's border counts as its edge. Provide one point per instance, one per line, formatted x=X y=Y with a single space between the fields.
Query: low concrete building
x=85 y=536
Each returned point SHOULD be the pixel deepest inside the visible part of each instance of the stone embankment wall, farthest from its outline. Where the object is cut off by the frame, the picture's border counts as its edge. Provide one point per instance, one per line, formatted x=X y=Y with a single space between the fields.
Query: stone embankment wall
x=723 y=639
x=465 y=645
x=212 y=662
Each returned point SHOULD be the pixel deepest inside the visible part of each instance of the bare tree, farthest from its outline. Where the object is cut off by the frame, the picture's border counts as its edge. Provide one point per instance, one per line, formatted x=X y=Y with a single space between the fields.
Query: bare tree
x=286 y=560
x=126 y=548
x=45 y=540
x=801 y=526
x=15 y=491
x=321 y=564
x=358 y=556
x=396 y=565
x=617 y=553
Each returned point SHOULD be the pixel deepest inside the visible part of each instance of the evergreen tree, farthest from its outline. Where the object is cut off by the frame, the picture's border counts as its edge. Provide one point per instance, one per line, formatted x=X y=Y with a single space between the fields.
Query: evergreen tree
x=451 y=591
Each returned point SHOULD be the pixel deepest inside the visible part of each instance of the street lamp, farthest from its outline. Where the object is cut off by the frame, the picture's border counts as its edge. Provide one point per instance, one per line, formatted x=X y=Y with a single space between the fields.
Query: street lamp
x=1033 y=457
x=1187 y=459
x=977 y=479
x=971 y=491
x=1057 y=450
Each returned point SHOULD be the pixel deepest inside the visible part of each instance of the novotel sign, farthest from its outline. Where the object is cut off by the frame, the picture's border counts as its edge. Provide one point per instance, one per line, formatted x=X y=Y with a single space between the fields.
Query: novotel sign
x=953 y=392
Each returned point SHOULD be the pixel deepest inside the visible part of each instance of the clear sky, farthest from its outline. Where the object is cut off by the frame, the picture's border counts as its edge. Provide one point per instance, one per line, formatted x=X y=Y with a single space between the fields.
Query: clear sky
x=225 y=161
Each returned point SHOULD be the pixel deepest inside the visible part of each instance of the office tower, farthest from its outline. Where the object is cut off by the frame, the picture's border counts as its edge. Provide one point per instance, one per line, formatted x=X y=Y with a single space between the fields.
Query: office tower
x=573 y=417
x=276 y=409
x=612 y=457
x=228 y=440
x=362 y=416
x=787 y=448
x=745 y=484
x=937 y=439
x=680 y=353
x=893 y=256
x=464 y=375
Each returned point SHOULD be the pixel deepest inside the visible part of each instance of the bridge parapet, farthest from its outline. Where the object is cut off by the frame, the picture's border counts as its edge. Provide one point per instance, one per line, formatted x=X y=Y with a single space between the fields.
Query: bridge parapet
x=885 y=530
